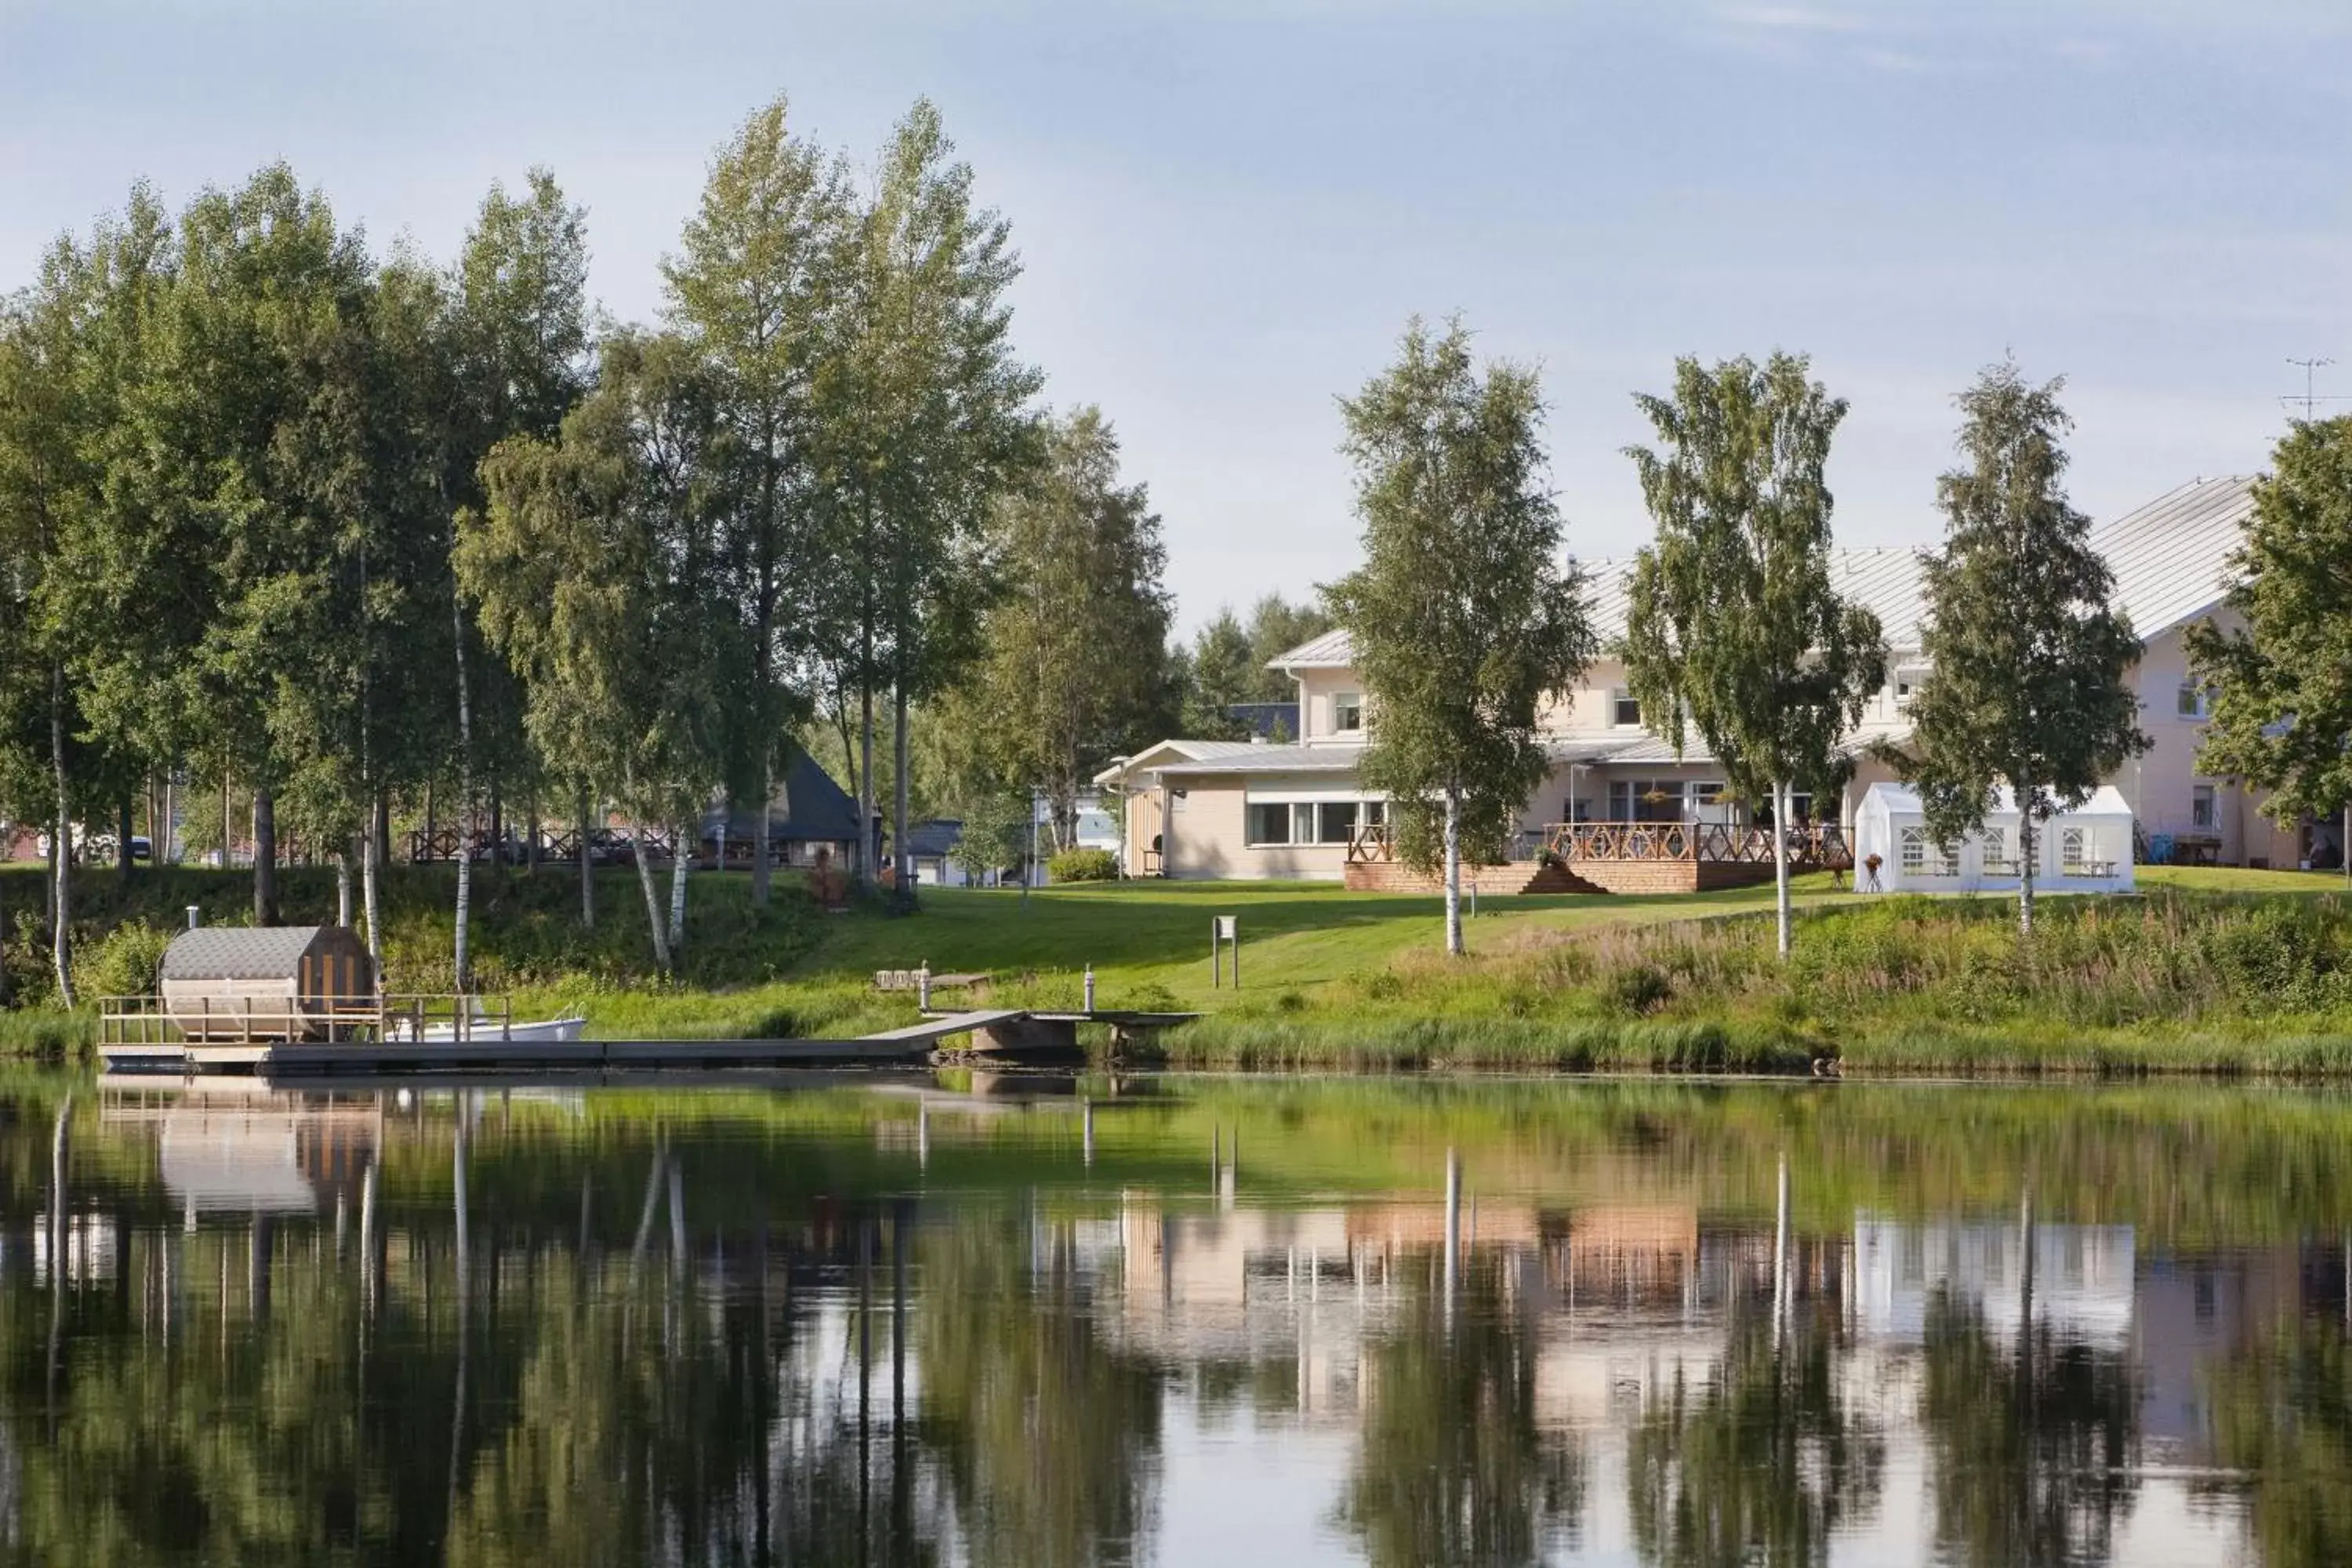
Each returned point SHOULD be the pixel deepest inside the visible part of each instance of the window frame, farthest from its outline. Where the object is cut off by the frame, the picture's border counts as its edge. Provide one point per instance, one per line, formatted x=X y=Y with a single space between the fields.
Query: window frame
x=1344 y=703
x=2204 y=808
x=1620 y=697
x=1250 y=820
x=1918 y=855
x=2193 y=703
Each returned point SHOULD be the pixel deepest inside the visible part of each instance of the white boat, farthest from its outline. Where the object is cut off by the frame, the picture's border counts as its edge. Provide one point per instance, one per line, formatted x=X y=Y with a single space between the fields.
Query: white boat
x=484 y=1028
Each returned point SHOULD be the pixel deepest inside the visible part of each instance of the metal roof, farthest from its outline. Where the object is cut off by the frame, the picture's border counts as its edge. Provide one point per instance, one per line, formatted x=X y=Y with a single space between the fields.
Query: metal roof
x=238 y=953
x=2174 y=558
x=1246 y=758
x=1332 y=649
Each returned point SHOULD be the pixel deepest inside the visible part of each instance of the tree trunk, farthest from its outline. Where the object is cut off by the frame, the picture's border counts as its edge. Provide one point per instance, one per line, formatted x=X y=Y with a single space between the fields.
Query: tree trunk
x=760 y=855
x=60 y=843
x=432 y=822
x=461 y=959
x=383 y=829
x=587 y=866
x=902 y=863
x=2025 y=868
x=343 y=887
x=531 y=833
x=371 y=848
x=653 y=900
x=678 y=865
x=122 y=824
x=863 y=871
x=265 y=856
x=227 y=859
x=1781 y=803
x=1453 y=871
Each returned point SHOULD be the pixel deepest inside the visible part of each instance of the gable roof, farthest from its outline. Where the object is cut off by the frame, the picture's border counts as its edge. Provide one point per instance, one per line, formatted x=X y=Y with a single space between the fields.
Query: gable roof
x=810 y=808
x=2172 y=560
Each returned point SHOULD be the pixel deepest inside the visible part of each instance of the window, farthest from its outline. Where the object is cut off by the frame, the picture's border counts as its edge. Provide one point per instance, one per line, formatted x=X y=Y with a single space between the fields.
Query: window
x=1347 y=712
x=1270 y=822
x=1624 y=709
x=1923 y=856
x=1999 y=857
x=1908 y=682
x=2075 y=853
x=1645 y=800
x=1336 y=822
x=1376 y=814
x=1275 y=823
x=2203 y=813
x=2196 y=702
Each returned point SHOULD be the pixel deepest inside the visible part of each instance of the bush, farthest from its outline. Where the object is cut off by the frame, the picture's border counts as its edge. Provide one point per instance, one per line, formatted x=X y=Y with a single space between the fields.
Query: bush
x=1083 y=866
x=122 y=962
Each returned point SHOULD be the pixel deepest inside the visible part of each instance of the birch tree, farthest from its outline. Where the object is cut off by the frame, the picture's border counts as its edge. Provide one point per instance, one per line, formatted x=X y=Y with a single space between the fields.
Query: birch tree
x=592 y=573
x=1076 y=669
x=1734 y=628
x=754 y=288
x=2029 y=660
x=1465 y=613
x=2282 y=702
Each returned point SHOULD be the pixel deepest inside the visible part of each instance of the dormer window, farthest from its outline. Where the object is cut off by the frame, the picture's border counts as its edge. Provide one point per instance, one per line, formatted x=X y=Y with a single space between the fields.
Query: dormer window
x=1347 y=712
x=1624 y=709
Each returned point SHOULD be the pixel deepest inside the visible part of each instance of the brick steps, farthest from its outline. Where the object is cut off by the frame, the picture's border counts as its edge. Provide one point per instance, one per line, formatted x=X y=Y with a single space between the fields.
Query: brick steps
x=1517 y=876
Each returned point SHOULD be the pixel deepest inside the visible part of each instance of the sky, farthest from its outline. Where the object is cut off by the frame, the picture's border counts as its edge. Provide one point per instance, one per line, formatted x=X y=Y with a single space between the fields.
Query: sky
x=1228 y=211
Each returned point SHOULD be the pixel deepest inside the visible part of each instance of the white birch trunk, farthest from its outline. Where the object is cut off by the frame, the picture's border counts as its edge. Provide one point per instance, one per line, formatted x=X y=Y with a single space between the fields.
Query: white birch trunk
x=60 y=844
x=902 y=863
x=461 y=957
x=369 y=903
x=679 y=865
x=2026 y=836
x=587 y=866
x=653 y=900
x=1453 y=871
x=344 y=889
x=1780 y=801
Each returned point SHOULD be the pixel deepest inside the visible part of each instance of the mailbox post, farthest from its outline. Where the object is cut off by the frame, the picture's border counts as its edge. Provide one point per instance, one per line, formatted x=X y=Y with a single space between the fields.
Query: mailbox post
x=1225 y=932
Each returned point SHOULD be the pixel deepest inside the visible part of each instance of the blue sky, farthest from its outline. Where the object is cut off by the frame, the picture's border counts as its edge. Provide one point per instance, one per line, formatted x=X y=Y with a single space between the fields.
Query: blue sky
x=1228 y=211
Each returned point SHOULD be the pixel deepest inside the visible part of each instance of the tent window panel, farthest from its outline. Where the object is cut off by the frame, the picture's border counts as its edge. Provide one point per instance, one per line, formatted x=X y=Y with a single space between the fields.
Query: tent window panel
x=2000 y=853
x=1923 y=856
x=2078 y=852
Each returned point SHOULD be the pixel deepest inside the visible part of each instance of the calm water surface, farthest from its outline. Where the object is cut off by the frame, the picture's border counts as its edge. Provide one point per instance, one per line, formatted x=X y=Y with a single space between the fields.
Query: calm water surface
x=1227 y=1322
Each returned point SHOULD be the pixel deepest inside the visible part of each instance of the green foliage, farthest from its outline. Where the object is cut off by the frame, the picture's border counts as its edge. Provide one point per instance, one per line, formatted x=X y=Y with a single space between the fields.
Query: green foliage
x=1083 y=866
x=2028 y=686
x=1076 y=667
x=123 y=963
x=1732 y=624
x=1463 y=618
x=995 y=832
x=2281 y=707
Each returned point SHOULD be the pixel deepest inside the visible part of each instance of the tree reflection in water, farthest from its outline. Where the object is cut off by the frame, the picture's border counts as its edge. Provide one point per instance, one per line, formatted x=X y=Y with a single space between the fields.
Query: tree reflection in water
x=2281 y=1406
x=1452 y=1465
x=1758 y=1460
x=2035 y=1444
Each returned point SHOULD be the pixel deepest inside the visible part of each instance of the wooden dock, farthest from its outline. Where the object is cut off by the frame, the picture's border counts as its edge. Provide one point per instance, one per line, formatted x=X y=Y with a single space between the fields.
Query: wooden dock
x=999 y=1031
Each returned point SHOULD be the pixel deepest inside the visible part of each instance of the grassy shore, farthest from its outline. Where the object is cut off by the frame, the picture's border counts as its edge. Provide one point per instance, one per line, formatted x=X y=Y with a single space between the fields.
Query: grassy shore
x=2206 y=970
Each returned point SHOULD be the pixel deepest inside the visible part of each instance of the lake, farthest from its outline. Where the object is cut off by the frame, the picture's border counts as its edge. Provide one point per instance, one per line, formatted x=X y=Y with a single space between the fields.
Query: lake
x=1038 y=1322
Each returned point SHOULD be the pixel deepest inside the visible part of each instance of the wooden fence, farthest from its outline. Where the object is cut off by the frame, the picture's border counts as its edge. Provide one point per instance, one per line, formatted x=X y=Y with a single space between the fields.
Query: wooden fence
x=1818 y=847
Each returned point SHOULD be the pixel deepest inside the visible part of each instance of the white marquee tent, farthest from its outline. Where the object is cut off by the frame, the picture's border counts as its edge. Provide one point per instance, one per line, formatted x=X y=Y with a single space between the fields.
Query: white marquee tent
x=2085 y=850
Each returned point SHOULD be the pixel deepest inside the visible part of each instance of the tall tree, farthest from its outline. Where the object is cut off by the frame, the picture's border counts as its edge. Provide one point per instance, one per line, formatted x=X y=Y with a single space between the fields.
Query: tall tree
x=518 y=333
x=1734 y=627
x=1219 y=670
x=2029 y=659
x=592 y=571
x=2281 y=704
x=1276 y=627
x=1464 y=615
x=930 y=427
x=754 y=289
x=1076 y=669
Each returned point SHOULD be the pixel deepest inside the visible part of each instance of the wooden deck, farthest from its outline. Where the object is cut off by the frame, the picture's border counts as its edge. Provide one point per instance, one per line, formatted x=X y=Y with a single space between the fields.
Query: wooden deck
x=998 y=1030
x=1613 y=857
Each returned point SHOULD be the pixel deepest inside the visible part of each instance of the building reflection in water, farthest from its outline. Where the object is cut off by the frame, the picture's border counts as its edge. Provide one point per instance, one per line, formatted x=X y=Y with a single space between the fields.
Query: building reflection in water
x=263 y=1326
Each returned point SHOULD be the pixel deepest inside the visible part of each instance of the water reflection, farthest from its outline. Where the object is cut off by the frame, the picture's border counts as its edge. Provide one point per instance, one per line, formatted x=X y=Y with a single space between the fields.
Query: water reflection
x=899 y=1323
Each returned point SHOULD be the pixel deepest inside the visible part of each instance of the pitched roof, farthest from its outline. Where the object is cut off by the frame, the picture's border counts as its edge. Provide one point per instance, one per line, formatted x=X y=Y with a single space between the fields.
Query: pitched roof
x=810 y=808
x=2171 y=561
x=932 y=839
x=2172 y=558
x=1247 y=758
x=238 y=952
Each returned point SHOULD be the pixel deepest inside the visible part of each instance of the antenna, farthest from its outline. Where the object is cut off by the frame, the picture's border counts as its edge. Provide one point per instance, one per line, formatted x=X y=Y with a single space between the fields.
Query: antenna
x=2310 y=400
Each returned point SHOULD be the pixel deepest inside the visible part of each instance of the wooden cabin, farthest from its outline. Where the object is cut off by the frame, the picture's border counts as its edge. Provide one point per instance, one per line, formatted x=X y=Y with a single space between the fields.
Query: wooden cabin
x=270 y=983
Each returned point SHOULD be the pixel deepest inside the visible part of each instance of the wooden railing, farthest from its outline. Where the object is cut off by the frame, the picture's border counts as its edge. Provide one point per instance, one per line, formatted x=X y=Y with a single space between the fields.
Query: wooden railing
x=1819 y=846
x=266 y=1020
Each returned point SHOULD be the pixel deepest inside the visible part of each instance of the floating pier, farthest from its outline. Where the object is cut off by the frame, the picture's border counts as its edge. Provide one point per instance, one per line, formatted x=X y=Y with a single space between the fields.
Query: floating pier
x=996 y=1033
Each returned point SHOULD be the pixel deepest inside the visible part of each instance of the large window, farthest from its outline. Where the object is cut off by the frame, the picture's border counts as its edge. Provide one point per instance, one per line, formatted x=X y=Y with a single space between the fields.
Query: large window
x=1624 y=709
x=1645 y=800
x=1347 y=712
x=2203 y=815
x=1270 y=822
